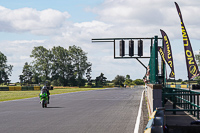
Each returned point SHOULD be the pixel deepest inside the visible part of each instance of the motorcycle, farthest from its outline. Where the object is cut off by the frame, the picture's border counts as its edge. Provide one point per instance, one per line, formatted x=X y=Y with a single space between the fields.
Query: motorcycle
x=44 y=99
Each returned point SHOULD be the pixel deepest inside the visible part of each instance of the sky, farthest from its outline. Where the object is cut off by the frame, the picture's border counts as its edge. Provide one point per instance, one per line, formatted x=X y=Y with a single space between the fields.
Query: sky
x=25 y=24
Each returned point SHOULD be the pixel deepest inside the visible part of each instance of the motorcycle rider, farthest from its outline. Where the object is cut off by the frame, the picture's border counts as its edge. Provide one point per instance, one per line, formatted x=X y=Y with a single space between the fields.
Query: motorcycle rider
x=44 y=89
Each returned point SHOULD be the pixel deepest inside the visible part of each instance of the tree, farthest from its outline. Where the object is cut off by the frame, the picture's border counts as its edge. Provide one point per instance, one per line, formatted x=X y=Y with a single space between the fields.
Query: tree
x=197 y=57
x=128 y=81
x=5 y=70
x=198 y=81
x=42 y=62
x=27 y=73
x=119 y=80
x=138 y=82
x=182 y=82
x=21 y=79
x=88 y=75
x=79 y=63
x=62 y=68
x=36 y=77
x=100 y=80
x=56 y=82
x=179 y=80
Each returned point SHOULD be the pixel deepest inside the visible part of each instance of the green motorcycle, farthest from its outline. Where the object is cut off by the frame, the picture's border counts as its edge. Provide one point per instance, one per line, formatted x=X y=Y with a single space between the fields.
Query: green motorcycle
x=44 y=99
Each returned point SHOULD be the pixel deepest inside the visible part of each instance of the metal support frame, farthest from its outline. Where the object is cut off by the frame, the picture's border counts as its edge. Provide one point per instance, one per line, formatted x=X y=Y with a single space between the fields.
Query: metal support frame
x=131 y=57
x=141 y=63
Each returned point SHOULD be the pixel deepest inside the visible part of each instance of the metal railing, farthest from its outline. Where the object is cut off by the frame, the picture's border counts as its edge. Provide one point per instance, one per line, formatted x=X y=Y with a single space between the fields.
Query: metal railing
x=183 y=100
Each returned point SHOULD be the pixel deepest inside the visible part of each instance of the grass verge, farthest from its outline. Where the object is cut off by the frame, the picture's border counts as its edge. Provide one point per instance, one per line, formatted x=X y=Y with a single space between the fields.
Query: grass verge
x=15 y=95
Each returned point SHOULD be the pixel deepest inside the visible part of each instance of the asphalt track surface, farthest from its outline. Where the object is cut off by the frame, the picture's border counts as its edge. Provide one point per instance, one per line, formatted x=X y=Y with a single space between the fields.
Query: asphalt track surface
x=101 y=111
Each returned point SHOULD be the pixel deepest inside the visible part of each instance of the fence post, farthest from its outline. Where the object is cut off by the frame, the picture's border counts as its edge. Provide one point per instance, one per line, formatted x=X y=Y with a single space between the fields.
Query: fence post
x=174 y=103
x=198 y=107
x=190 y=102
x=194 y=101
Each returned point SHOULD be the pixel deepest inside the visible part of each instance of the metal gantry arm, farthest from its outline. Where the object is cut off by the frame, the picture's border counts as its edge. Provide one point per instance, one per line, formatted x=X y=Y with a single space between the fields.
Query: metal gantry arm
x=142 y=63
x=113 y=40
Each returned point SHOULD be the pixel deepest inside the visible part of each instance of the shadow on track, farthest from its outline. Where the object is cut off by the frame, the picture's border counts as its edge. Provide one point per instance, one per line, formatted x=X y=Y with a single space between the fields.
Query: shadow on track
x=55 y=107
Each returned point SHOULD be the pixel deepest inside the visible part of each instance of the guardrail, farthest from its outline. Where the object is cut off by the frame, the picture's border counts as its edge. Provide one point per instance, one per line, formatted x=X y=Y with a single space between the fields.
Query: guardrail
x=20 y=88
x=183 y=100
x=178 y=86
x=156 y=122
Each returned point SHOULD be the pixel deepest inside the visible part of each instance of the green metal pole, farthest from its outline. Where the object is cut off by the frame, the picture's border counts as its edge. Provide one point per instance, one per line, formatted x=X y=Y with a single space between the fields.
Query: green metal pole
x=194 y=102
x=164 y=73
x=156 y=58
x=198 y=107
x=191 y=102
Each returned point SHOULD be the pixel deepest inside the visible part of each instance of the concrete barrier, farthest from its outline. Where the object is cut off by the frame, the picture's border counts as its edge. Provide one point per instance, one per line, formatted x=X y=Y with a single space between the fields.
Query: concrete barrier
x=179 y=86
x=184 y=86
x=173 y=86
x=154 y=97
x=155 y=109
x=15 y=88
x=37 y=88
x=20 y=88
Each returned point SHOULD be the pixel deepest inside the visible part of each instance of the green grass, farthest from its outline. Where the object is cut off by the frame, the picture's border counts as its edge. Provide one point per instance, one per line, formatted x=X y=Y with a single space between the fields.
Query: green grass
x=14 y=95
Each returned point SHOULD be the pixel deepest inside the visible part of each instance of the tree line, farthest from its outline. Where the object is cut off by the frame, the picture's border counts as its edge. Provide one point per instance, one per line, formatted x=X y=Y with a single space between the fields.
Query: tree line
x=121 y=80
x=64 y=67
x=60 y=66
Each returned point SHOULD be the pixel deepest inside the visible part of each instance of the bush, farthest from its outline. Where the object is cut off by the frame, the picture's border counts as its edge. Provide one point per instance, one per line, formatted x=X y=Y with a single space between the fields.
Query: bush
x=183 y=82
x=198 y=81
x=138 y=82
x=56 y=83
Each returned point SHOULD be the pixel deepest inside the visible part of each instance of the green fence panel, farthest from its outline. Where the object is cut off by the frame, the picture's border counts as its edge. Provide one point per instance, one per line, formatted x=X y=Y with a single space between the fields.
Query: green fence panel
x=4 y=88
x=27 y=88
x=187 y=100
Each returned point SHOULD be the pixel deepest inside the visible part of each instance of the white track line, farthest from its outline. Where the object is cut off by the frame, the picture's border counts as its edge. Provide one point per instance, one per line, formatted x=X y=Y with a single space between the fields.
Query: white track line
x=137 y=124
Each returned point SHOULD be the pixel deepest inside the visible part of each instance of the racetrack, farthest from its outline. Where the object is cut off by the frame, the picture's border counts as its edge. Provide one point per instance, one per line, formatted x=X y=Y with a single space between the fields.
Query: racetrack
x=100 y=111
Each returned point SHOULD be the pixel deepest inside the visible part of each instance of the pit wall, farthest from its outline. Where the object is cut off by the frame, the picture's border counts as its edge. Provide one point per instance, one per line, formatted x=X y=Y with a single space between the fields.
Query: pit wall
x=20 y=88
x=154 y=97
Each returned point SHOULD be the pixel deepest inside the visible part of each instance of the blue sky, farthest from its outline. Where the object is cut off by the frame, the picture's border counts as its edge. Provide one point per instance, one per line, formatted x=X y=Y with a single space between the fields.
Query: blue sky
x=28 y=23
x=76 y=8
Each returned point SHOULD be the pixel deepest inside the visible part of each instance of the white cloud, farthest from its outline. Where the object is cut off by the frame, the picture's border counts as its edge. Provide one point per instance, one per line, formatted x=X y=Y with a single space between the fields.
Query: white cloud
x=16 y=51
x=43 y=22
x=143 y=17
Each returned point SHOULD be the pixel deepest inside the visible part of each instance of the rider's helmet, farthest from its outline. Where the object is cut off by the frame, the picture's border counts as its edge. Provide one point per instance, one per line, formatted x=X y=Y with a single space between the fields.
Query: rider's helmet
x=44 y=89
